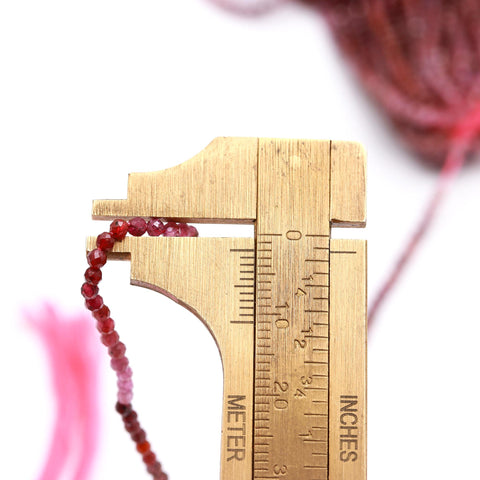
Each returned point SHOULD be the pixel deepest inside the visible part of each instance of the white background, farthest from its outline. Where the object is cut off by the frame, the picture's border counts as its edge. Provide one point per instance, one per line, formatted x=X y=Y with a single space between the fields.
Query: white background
x=92 y=90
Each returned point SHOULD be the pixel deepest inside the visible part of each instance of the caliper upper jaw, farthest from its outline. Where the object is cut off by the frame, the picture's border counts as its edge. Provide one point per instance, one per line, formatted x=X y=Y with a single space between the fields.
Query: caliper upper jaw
x=219 y=185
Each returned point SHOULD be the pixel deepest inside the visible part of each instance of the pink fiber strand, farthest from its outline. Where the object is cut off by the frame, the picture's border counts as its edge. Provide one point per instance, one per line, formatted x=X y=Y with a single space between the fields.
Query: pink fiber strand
x=72 y=353
x=463 y=135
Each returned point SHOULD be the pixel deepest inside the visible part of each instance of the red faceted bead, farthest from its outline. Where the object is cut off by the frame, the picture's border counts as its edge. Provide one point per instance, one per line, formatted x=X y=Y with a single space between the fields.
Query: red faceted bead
x=94 y=303
x=119 y=364
x=119 y=229
x=138 y=226
x=149 y=458
x=118 y=350
x=89 y=291
x=192 y=231
x=97 y=258
x=155 y=227
x=182 y=229
x=123 y=409
x=93 y=275
x=130 y=417
x=102 y=313
x=134 y=432
x=105 y=241
x=109 y=339
x=106 y=325
x=155 y=469
x=171 y=229
x=131 y=427
x=143 y=447
x=185 y=230
x=139 y=437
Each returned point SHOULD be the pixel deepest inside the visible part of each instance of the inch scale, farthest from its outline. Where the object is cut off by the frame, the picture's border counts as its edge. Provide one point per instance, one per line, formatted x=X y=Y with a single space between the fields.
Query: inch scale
x=289 y=309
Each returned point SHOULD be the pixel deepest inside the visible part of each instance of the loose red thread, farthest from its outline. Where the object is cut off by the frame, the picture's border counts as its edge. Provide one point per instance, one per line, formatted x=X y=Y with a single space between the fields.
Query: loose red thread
x=119 y=362
x=420 y=61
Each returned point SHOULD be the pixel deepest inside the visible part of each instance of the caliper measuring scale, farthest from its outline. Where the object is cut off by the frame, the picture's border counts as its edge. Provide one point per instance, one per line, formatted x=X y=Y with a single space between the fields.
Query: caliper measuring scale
x=289 y=311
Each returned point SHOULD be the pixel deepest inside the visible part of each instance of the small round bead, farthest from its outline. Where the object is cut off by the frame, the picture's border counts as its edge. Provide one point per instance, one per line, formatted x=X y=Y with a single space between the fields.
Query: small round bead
x=118 y=350
x=119 y=365
x=109 y=339
x=133 y=429
x=171 y=230
x=125 y=385
x=97 y=258
x=155 y=469
x=123 y=409
x=125 y=397
x=119 y=229
x=183 y=230
x=149 y=458
x=187 y=230
x=138 y=226
x=143 y=447
x=105 y=241
x=93 y=275
x=132 y=426
x=125 y=375
x=102 y=313
x=94 y=303
x=106 y=326
x=155 y=227
x=139 y=437
x=89 y=291
x=130 y=417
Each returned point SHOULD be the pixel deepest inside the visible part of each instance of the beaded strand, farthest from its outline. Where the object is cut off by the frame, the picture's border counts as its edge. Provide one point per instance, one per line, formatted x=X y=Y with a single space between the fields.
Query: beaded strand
x=97 y=258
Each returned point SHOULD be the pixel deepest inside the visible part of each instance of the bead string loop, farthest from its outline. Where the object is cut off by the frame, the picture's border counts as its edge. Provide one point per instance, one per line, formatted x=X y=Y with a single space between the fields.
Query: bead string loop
x=119 y=362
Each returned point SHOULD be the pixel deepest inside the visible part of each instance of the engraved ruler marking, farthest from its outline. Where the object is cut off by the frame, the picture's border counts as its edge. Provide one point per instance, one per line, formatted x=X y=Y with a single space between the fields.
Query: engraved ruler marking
x=244 y=285
x=292 y=312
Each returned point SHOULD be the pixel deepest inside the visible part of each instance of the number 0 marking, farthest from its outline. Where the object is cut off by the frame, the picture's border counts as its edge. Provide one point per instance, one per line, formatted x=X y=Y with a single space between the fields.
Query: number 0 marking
x=293 y=235
x=280 y=404
x=281 y=323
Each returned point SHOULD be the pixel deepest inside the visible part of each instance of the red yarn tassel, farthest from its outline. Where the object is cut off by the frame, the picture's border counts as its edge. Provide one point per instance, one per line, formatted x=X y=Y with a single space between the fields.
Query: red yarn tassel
x=73 y=354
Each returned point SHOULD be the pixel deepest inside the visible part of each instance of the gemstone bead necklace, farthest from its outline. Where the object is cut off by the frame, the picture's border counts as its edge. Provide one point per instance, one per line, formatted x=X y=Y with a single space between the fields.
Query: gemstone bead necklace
x=97 y=258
